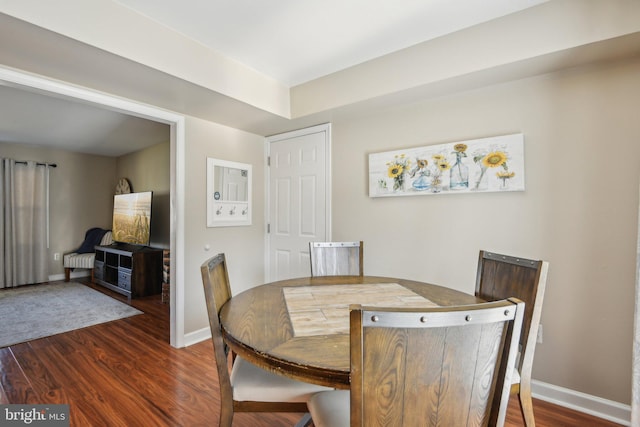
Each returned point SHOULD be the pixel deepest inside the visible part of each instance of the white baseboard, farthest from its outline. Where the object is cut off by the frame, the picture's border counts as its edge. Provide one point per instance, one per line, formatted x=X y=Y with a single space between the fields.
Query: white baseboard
x=197 y=336
x=582 y=402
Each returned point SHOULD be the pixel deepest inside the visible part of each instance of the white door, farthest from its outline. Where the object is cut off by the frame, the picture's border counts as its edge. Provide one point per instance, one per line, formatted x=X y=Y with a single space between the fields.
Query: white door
x=234 y=183
x=298 y=199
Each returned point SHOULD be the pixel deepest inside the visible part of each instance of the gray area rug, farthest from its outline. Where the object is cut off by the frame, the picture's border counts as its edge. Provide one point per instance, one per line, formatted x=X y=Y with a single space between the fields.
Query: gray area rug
x=37 y=311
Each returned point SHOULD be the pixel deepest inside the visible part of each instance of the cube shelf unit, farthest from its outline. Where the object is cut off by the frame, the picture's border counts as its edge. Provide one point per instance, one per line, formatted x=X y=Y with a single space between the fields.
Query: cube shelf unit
x=133 y=271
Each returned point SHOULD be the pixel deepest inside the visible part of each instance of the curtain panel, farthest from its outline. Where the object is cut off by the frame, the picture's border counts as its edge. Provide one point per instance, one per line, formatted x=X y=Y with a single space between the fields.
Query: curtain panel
x=23 y=223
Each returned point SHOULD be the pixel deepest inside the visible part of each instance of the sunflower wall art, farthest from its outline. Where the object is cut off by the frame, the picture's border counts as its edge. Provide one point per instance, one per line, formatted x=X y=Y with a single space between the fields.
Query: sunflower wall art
x=478 y=165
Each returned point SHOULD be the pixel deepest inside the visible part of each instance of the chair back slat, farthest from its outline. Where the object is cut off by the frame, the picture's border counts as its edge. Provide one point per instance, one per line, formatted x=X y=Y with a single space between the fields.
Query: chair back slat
x=432 y=367
x=336 y=258
x=503 y=276
x=217 y=292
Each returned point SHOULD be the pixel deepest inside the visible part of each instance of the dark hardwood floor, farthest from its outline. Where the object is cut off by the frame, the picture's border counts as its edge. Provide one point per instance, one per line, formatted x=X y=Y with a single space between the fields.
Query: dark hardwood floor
x=125 y=373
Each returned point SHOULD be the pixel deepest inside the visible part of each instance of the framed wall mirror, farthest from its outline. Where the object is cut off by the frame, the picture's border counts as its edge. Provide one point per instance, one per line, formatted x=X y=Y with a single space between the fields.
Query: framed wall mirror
x=228 y=193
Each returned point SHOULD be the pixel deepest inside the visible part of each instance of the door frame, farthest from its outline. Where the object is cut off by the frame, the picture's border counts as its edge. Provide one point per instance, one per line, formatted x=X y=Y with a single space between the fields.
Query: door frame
x=326 y=128
x=38 y=84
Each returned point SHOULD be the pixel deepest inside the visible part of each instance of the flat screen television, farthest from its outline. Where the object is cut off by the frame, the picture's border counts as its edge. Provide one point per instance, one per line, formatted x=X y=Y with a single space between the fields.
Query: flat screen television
x=132 y=218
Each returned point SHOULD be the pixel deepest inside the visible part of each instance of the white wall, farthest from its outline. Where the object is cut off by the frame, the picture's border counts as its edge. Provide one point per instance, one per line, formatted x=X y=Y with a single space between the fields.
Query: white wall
x=579 y=210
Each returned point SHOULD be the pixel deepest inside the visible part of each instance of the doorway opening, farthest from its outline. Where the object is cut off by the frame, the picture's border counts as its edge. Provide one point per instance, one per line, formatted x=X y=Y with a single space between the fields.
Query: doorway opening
x=176 y=123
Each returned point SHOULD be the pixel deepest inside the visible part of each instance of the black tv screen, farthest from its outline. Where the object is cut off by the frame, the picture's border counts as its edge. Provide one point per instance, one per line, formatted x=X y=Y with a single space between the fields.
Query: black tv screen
x=132 y=218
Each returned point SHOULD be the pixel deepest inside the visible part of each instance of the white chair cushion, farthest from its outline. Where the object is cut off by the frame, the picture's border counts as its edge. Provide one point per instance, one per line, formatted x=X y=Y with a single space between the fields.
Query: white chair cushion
x=76 y=260
x=515 y=376
x=330 y=408
x=251 y=383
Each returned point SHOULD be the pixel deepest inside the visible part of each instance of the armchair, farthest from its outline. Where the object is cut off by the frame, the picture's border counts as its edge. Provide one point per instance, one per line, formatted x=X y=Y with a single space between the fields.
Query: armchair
x=85 y=255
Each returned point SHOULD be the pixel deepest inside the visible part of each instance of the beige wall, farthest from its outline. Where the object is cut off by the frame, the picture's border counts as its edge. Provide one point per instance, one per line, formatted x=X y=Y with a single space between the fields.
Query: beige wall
x=81 y=194
x=243 y=246
x=150 y=170
x=579 y=210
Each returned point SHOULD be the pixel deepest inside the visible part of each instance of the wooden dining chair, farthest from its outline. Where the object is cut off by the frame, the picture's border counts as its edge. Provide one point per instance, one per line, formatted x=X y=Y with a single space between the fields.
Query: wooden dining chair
x=336 y=258
x=442 y=366
x=502 y=276
x=247 y=388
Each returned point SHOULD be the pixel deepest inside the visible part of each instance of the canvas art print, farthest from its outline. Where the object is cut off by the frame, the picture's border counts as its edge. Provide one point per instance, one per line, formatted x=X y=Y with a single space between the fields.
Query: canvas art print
x=479 y=165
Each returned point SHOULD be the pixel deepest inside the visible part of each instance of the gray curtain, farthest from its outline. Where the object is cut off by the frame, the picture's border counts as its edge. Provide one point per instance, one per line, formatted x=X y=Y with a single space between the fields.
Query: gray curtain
x=23 y=223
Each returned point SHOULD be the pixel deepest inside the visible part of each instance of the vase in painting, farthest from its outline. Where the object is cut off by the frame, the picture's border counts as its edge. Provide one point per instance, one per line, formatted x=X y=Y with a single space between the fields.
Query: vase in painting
x=459 y=175
x=421 y=183
x=480 y=179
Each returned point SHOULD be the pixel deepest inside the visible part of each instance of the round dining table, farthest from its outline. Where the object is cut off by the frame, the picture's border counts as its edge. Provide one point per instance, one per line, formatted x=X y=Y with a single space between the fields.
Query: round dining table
x=300 y=327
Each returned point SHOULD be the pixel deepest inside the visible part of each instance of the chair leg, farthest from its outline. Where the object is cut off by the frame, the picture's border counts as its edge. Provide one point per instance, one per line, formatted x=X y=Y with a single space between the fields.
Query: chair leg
x=526 y=405
x=67 y=274
x=305 y=421
x=92 y=270
x=226 y=416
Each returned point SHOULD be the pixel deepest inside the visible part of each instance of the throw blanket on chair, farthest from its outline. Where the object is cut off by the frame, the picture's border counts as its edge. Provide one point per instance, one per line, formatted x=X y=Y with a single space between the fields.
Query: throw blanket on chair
x=91 y=239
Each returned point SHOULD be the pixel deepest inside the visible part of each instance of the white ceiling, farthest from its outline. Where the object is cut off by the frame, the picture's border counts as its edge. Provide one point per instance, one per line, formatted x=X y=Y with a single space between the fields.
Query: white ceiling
x=32 y=118
x=292 y=41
